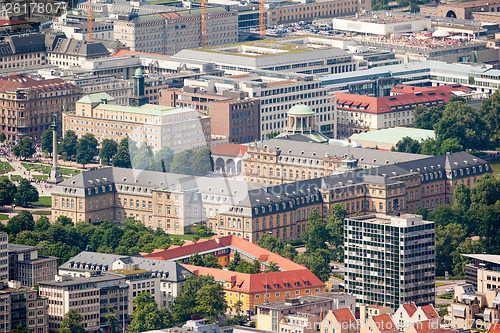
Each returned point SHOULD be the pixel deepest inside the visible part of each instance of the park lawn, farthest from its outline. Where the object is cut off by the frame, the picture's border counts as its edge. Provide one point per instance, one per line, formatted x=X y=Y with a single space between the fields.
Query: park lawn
x=5 y=167
x=4 y=217
x=439 y=284
x=445 y=296
x=16 y=178
x=41 y=177
x=43 y=168
x=66 y=171
x=495 y=166
x=44 y=201
x=42 y=212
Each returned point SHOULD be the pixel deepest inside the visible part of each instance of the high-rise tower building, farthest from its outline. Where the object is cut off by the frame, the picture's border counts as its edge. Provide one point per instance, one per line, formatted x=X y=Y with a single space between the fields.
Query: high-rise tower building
x=390 y=260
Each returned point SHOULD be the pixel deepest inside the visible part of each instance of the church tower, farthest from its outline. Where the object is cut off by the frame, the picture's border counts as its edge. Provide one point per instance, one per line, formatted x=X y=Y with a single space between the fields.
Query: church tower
x=138 y=98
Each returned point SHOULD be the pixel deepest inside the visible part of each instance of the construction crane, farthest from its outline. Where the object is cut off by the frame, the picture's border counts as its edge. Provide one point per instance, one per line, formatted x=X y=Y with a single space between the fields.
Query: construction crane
x=90 y=22
x=262 y=18
x=204 y=23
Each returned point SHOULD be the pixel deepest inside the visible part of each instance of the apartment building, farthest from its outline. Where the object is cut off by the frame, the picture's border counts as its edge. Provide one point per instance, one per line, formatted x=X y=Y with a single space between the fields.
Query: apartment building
x=170 y=273
x=28 y=104
x=293 y=280
x=277 y=316
x=303 y=55
x=23 y=52
x=233 y=115
x=69 y=53
x=100 y=31
x=357 y=113
x=22 y=306
x=471 y=309
x=390 y=259
x=367 y=311
x=278 y=92
x=339 y=320
x=410 y=313
x=119 y=89
x=170 y=32
x=29 y=268
x=484 y=272
x=158 y=126
x=308 y=11
x=4 y=257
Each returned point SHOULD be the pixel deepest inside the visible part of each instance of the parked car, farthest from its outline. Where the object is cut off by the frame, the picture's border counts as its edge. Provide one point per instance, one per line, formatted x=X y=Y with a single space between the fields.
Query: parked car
x=450 y=290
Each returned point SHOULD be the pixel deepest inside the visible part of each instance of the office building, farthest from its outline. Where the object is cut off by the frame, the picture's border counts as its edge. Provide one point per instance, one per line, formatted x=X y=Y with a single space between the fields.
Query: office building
x=176 y=128
x=278 y=92
x=170 y=32
x=171 y=274
x=277 y=316
x=305 y=55
x=292 y=280
x=484 y=272
x=24 y=307
x=29 y=104
x=4 y=257
x=22 y=52
x=390 y=260
x=478 y=10
x=68 y=53
x=380 y=24
x=29 y=268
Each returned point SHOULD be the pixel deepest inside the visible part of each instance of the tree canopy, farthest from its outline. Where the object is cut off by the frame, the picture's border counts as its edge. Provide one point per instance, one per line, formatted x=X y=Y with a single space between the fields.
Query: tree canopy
x=72 y=322
x=7 y=192
x=26 y=193
x=24 y=148
x=69 y=143
x=147 y=316
x=108 y=149
x=86 y=149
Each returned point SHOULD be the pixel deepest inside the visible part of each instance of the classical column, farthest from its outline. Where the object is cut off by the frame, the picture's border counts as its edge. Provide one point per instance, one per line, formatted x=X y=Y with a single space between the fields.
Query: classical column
x=55 y=177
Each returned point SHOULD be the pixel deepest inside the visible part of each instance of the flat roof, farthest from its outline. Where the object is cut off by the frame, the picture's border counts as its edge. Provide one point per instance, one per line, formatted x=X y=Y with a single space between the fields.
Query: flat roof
x=393 y=135
x=146 y=109
x=491 y=258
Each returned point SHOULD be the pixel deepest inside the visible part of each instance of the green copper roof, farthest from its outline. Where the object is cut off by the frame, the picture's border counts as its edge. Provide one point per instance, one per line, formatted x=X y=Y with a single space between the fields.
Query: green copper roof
x=138 y=72
x=95 y=98
x=300 y=109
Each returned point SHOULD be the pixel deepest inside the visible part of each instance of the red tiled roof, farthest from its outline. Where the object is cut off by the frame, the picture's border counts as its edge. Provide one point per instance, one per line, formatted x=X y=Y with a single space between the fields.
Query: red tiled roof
x=494 y=328
x=21 y=81
x=384 y=323
x=430 y=312
x=386 y=104
x=410 y=308
x=405 y=89
x=216 y=242
x=344 y=316
x=422 y=326
x=229 y=149
x=254 y=283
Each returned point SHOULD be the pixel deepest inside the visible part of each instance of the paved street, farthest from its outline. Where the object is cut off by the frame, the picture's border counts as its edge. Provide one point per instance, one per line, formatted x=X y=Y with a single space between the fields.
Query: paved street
x=442 y=289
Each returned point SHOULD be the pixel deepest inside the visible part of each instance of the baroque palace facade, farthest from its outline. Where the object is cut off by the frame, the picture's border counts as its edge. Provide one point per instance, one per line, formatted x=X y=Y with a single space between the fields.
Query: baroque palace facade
x=175 y=203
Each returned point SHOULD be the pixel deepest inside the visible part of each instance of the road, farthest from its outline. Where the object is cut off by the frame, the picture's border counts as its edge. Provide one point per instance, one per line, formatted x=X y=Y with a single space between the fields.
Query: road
x=442 y=289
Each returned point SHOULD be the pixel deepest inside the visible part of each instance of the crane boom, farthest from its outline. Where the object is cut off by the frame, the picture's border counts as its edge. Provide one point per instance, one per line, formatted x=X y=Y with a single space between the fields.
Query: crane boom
x=262 y=18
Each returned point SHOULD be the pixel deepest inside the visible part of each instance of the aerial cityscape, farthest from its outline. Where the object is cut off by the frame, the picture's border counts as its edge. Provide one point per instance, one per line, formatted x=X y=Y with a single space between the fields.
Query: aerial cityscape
x=250 y=166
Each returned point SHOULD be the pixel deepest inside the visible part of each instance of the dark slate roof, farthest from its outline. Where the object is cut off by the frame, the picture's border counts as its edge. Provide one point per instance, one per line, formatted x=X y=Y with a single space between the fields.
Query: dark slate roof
x=28 y=43
x=172 y=270
x=58 y=43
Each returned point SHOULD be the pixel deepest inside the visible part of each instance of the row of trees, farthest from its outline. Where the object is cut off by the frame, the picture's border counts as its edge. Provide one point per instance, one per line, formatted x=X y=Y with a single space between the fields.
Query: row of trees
x=324 y=242
x=457 y=125
x=128 y=154
x=22 y=194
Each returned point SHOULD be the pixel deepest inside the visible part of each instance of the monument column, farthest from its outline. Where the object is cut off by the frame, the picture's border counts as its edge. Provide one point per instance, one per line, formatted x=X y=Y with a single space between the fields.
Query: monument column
x=55 y=177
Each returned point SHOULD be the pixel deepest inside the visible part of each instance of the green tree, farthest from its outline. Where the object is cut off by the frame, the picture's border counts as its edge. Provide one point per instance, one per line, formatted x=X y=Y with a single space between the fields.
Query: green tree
x=450 y=146
x=202 y=230
x=42 y=224
x=46 y=141
x=69 y=144
x=272 y=267
x=3 y=137
x=444 y=215
x=72 y=322
x=490 y=113
x=486 y=190
x=201 y=162
x=317 y=263
x=462 y=122
x=459 y=261
x=108 y=150
x=448 y=238
x=86 y=149
x=26 y=193
x=146 y=315
x=181 y=163
x=273 y=244
x=426 y=118
x=335 y=224
x=462 y=197
x=22 y=221
x=211 y=261
x=196 y=260
x=20 y=329
x=316 y=236
x=122 y=157
x=7 y=192
x=211 y=301
x=24 y=148
x=143 y=157
x=162 y=160
x=431 y=147
x=408 y=145
x=111 y=319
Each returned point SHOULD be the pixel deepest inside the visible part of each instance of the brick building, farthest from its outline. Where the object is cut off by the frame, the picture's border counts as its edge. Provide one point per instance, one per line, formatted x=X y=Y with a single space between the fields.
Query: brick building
x=28 y=104
x=233 y=114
